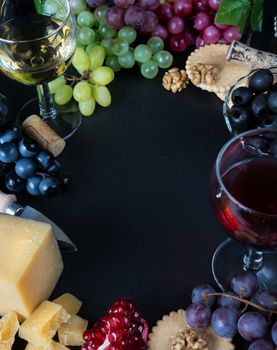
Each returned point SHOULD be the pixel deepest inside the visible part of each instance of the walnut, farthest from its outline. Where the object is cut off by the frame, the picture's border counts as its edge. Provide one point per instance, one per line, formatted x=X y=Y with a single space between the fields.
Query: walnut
x=175 y=80
x=204 y=73
x=188 y=339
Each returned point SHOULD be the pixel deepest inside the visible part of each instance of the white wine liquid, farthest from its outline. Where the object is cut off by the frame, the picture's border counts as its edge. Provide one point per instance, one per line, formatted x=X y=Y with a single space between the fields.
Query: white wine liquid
x=43 y=50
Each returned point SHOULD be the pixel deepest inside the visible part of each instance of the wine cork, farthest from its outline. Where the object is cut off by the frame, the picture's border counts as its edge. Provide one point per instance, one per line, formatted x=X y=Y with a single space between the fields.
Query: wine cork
x=41 y=132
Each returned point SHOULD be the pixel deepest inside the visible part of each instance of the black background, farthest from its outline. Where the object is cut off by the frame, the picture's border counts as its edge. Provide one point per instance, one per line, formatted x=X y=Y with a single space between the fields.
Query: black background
x=139 y=208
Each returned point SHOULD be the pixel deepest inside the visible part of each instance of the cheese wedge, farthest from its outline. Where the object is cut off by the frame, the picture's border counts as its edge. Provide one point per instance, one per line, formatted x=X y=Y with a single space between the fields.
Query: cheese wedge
x=69 y=302
x=30 y=264
x=9 y=326
x=42 y=325
x=71 y=333
x=52 y=346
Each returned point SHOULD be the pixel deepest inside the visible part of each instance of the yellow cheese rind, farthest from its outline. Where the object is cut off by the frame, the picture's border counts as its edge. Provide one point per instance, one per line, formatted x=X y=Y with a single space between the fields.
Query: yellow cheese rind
x=30 y=264
x=9 y=326
x=71 y=333
x=42 y=325
x=52 y=346
x=69 y=302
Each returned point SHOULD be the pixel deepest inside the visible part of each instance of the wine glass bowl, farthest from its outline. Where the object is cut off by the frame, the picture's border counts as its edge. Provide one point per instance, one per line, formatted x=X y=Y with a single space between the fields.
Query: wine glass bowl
x=244 y=199
x=253 y=122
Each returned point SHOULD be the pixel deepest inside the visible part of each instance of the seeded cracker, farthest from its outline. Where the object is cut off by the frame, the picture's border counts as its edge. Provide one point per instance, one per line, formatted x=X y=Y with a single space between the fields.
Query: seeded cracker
x=173 y=332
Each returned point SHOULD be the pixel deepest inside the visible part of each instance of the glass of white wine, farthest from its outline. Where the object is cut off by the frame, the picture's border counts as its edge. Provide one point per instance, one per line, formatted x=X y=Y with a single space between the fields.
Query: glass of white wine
x=37 y=41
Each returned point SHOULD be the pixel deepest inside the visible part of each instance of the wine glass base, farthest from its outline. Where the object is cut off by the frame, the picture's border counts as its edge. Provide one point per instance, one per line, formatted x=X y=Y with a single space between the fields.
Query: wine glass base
x=66 y=122
x=228 y=259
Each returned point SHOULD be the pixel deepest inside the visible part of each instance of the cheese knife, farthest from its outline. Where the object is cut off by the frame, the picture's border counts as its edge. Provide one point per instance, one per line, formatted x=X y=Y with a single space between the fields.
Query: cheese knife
x=9 y=205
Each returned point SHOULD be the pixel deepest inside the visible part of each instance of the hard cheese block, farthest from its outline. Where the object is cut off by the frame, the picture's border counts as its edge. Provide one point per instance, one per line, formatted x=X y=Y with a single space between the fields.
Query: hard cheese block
x=42 y=325
x=52 y=346
x=69 y=302
x=71 y=333
x=8 y=328
x=30 y=264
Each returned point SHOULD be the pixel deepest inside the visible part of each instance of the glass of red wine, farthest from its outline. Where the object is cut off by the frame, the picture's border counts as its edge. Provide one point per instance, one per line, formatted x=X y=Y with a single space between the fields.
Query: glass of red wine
x=244 y=199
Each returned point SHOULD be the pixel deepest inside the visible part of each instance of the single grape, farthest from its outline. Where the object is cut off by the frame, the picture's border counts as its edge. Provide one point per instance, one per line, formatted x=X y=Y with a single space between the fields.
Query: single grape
x=149 y=69
x=149 y=23
x=163 y=59
x=134 y=16
x=155 y=43
x=87 y=107
x=127 y=33
x=56 y=84
x=211 y=34
x=82 y=91
x=164 y=12
x=221 y=26
x=266 y=298
x=112 y=62
x=100 y=13
x=65 y=181
x=7 y=136
x=55 y=168
x=252 y=326
x=107 y=45
x=95 y=3
x=198 y=316
x=8 y=152
x=80 y=60
x=86 y=19
x=14 y=183
x=5 y=168
x=178 y=43
x=214 y=4
x=101 y=76
x=25 y=168
x=16 y=129
x=228 y=301
x=142 y=53
x=149 y=4
x=232 y=33
x=44 y=159
x=3 y=112
x=49 y=186
x=199 y=292
x=175 y=25
x=244 y=283
x=160 y=31
x=190 y=36
x=115 y=17
x=77 y=6
x=120 y=47
x=64 y=95
x=199 y=41
x=106 y=32
x=28 y=147
x=127 y=61
x=202 y=20
x=201 y=6
x=32 y=185
x=224 y=322
x=50 y=7
x=274 y=333
x=102 y=95
x=262 y=345
x=124 y=4
x=96 y=57
x=182 y=8
x=86 y=36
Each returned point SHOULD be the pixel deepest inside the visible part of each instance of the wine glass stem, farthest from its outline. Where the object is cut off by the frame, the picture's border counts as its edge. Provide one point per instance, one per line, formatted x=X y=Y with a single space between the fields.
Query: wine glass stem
x=46 y=104
x=253 y=259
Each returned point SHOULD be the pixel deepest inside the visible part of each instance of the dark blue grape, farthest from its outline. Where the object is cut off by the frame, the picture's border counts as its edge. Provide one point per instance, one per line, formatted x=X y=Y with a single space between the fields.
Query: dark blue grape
x=7 y=136
x=274 y=333
x=16 y=129
x=266 y=298
x=65 y=181
x=5 y=168
x=8 y=152
x=28 y=147
x=55 y=168
x=261 y=345
x=224 y=322
x=198 y=295
x=242 y=96
x=14 y=183
x=261 y=81
x=260 y=108
x=228 y=301
x=33 y=185
x=25 y=167
x=252 y=326
x=49 y=186
x=198 y=316
x=45 y=159
x=244 y=284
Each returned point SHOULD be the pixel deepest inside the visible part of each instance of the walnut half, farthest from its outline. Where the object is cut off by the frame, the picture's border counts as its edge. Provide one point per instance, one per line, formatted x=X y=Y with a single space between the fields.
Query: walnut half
x=204 y=73
x=189 y=339
x=175 y=80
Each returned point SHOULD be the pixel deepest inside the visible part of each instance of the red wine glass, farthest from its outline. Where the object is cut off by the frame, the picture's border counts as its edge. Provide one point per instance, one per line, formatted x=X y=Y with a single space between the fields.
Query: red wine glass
x=244 y=198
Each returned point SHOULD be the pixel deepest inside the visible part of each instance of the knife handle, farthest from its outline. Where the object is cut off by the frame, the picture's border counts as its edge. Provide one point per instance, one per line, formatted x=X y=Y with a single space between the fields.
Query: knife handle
x=6 y=201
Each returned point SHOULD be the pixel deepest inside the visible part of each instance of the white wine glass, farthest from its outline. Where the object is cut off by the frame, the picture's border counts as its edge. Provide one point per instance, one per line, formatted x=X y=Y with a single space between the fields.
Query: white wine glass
x=37 y=41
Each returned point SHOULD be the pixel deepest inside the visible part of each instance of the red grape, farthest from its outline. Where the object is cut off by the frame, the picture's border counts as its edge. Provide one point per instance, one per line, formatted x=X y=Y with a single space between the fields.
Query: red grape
x=164 y=12
x=149 y=23
x=134 y=16
x=232 y=33
x=202 y=21
x=149 y=4
x=124 y=4
x=160 y=31
x=182 y=8
x=115 y=17
x=175 y=25
x=214 y=4
x=190 y=37
x=221 y=26
x=199 y=42
x=178 y=43
x=201 y=5
x=211 y=34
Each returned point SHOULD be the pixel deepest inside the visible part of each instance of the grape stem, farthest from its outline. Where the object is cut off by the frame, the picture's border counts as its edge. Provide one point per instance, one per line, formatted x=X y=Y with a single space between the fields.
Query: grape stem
x=242 y=300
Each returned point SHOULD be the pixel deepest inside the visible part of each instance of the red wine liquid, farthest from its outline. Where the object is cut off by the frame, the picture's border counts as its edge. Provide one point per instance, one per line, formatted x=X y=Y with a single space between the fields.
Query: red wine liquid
x=253 y=184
